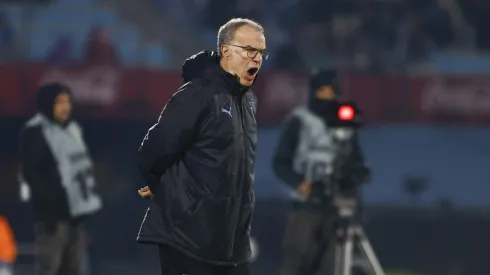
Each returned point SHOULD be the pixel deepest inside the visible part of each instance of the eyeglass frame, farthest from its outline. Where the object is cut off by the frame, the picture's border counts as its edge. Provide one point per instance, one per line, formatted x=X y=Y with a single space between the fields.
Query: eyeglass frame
x=252 y=52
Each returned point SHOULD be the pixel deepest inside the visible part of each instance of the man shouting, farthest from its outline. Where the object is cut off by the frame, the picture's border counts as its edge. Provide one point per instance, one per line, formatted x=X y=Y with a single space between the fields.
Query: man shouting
x=198 y=160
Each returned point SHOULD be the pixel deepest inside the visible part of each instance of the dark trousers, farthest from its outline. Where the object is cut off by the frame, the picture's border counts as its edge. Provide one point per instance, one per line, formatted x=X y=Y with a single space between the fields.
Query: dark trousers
x=175 y=263
x=309 y=243
x=61 y=248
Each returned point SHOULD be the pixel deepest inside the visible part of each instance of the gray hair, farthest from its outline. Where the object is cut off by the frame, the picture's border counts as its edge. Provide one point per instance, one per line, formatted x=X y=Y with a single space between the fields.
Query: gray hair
x=226 y=33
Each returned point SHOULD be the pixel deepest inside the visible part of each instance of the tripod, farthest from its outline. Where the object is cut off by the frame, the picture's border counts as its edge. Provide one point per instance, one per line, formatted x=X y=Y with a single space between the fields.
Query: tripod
x=350 y=233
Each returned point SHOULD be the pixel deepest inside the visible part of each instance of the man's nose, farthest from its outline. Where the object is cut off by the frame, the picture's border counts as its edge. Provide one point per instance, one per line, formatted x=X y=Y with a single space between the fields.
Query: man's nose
x=258 y=57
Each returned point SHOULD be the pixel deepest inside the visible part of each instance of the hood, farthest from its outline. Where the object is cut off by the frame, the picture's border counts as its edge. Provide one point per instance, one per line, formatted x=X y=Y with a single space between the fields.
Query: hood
x=318 y=79
x=196 y=65
x=45 y=98
x=205 y=64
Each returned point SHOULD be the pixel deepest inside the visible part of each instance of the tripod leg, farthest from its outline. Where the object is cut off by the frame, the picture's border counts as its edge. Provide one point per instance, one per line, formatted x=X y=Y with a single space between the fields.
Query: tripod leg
x=341 y=250
x=348 y=252
x=368 y=251
x=339 y=255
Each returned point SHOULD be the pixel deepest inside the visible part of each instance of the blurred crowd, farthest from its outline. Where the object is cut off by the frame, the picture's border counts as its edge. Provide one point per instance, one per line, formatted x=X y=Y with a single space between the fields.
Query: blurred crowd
x=357 y=34
x=380 y=35
x=99 y=50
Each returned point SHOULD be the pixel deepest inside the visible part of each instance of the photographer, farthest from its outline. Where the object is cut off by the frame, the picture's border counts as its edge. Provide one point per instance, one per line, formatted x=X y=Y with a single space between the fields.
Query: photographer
x=317 y=155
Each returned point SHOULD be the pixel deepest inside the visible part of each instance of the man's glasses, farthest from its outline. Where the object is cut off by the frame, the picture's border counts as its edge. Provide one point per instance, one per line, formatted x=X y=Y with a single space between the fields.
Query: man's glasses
x=252 y=52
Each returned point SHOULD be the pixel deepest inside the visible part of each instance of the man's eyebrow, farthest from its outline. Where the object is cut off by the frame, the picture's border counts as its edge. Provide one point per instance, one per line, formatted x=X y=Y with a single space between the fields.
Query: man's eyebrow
x=252 y=47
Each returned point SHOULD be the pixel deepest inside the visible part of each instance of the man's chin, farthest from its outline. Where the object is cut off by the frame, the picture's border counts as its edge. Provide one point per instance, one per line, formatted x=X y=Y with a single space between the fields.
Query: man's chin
x=246 y=83
x=63 y=119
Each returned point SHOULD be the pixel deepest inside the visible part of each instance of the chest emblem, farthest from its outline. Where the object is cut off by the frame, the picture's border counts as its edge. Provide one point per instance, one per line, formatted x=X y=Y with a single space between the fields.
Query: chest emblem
x=227 y=111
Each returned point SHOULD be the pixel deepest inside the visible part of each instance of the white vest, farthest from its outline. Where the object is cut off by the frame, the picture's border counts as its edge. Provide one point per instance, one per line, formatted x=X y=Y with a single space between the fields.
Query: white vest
x=318 y=145
x=74 y=165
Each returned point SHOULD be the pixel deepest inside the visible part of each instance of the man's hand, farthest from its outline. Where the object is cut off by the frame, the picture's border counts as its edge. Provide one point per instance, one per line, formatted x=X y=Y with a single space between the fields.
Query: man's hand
x=145 y=192
x=304 y=188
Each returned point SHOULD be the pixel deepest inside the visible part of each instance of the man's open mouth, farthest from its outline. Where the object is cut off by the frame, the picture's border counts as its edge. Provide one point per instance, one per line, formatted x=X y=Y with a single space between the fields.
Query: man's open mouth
x=252 y=71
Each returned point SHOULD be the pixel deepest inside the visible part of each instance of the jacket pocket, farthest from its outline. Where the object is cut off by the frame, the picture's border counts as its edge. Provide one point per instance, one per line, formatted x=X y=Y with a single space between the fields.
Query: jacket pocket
x=210 y=226
x=180 y=210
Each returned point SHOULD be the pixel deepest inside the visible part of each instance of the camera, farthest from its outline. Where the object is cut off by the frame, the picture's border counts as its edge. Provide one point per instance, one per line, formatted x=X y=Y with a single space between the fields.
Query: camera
x=341 y=168
x=344 y=114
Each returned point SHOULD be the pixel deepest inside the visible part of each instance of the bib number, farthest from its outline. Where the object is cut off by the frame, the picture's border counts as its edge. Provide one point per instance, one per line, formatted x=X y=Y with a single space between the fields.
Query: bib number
x=85 y=181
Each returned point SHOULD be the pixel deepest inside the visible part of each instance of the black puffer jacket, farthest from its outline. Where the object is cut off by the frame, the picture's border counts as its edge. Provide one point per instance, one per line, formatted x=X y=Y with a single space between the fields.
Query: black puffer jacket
x=198 y=161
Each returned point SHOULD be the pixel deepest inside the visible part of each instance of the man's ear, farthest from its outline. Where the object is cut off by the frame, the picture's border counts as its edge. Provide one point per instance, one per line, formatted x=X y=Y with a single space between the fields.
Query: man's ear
x=225 y=52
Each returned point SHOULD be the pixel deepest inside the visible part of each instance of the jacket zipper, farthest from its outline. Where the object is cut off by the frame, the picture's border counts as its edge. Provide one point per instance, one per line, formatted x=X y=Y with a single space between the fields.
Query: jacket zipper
x=244 y=157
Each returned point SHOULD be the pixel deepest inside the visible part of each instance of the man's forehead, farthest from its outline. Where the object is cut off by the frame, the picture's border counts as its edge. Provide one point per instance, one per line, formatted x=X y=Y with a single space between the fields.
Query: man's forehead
x=62 y=96
x=249 y=36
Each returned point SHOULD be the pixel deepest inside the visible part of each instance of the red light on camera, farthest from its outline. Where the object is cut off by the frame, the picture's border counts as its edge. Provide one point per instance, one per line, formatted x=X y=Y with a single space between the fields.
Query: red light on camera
x=346 y=113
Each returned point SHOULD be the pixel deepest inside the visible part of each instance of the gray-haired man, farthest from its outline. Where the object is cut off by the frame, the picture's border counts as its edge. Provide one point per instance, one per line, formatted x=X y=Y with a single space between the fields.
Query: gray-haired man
x=198 y=161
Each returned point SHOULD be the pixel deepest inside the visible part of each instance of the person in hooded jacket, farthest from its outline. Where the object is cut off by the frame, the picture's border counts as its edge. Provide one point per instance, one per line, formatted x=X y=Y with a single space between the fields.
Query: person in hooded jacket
x=198 y=160
x=309 y=136
x=56 y=166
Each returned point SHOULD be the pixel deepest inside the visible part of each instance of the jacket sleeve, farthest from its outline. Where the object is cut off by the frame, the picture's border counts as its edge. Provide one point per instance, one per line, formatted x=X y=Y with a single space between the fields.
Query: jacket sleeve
x=283 y=157
x=176 y=129
x=35 y=158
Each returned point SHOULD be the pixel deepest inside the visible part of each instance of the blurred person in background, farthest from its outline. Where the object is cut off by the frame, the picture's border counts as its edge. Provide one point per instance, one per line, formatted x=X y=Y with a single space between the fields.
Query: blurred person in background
x=57 y=167
x=308 y=141
x=99 y=49
x=8 y=247
x=199 y=160
x=6 y=37
x=6 y=33
x=60 y=52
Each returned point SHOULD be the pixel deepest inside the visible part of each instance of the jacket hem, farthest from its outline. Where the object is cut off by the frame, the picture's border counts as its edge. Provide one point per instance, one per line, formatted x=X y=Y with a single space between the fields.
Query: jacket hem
x=163 y=241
